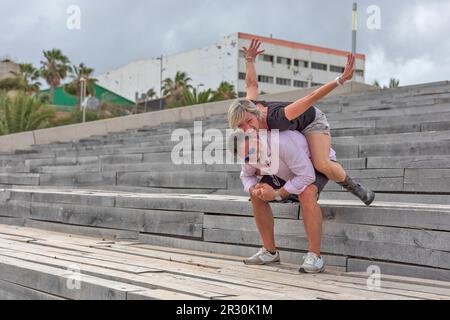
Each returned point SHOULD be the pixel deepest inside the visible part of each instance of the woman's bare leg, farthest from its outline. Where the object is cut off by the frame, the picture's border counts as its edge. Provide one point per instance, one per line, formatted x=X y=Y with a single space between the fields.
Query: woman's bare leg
x=319 y=147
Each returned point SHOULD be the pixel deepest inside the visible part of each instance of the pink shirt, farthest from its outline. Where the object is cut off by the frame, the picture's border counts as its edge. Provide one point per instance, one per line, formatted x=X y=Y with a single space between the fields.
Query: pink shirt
x=295 y=166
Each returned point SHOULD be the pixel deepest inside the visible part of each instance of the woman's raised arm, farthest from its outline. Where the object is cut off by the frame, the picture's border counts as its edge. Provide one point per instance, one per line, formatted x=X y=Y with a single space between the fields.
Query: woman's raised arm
x=300 y=106
x=251 y=80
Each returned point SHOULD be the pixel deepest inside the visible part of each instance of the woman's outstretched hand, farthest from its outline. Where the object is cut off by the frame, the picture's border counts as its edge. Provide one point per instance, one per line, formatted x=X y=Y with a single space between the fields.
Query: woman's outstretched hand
x=252 y=52
x=349 y=69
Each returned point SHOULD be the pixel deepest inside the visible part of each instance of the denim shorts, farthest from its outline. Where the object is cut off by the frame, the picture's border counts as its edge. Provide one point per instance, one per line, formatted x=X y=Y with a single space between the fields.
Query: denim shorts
x=319 y=125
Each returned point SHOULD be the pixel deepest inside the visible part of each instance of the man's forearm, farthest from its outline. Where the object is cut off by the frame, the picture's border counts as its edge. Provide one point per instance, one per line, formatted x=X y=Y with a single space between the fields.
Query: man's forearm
x=251 y=79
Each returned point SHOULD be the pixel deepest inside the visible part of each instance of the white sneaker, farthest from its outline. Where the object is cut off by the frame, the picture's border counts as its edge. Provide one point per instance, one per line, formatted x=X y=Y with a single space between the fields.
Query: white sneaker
x=263 y=257
x=312 y=264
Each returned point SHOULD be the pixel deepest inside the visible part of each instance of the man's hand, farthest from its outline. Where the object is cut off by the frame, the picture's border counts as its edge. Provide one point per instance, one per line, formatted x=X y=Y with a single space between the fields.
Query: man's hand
x=349 y=69
x=264 y=192
x=252 y=52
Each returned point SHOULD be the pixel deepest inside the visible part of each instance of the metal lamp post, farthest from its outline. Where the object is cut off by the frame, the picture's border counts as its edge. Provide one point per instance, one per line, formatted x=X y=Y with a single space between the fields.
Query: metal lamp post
x=83 y=97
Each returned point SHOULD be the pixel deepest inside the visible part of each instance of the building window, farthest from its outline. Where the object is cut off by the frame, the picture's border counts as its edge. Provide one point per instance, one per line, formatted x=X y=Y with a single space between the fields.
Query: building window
x=301 y=63
x=316 y=84
x=266 y=58
x=242 y=94
x=283 y=82
x=359 y=73
x=337 y=69
x=242 y=76
x=300 y=84
x=265 y=79
x=285 y=61
x=319 y=66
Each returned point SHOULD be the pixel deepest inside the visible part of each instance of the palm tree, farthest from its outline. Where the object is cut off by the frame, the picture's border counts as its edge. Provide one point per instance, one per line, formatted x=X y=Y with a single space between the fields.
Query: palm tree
x=23 y=113
x=151 y=93
x=376 y=84
x=225 y=92
x=54 y=69
x=28 y=76
x=191 y=97
x=173 y=88
x=77 y=74
x=394 y=83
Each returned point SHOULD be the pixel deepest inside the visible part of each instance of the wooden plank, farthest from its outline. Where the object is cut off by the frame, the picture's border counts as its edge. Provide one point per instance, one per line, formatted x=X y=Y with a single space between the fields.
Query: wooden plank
x=164 y=222
x=392 y=268
x=235 y=289
x=171 y=259
x=103 y=233
x=12 y=291
x=419 y=238
x=426 y=216
x=426 y=248
x=200 y=287
x=386 y=283
x=430 y=180
x=54 y=281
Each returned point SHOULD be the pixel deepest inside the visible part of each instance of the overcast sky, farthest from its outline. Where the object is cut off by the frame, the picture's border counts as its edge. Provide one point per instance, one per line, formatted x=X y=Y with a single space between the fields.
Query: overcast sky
x=412 y=44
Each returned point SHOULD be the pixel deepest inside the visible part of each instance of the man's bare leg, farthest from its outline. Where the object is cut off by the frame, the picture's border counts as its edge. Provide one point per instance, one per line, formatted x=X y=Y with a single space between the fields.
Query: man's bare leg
x=265 y=222
x=312 y=218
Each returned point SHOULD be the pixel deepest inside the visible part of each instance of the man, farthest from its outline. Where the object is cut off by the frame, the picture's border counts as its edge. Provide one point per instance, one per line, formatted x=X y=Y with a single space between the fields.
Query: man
x=301 y=116
x=294 y=177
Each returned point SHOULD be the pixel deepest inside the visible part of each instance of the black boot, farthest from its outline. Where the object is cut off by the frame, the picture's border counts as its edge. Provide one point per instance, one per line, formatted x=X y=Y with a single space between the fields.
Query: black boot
x=367 y=196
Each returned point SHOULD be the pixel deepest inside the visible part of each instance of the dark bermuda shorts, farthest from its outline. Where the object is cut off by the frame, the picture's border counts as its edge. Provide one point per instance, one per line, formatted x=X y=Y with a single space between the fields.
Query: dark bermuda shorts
x=320 y=183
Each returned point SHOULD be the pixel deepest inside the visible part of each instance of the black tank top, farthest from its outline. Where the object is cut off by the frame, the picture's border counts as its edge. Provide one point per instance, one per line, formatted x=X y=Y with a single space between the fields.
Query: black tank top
x=276 y=119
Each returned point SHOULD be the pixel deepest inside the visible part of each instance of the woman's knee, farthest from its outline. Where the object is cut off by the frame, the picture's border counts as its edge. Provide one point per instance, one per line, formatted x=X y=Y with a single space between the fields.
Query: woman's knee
x=324 y=166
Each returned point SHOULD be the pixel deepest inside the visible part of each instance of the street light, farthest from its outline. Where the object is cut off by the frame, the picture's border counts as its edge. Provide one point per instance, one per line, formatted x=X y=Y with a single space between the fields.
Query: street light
x=83 y=97
x=160 y=81
x=200 y=85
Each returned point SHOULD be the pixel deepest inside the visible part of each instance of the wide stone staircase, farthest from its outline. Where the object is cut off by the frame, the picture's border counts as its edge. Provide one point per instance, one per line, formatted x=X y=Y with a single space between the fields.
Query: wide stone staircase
x=124 y=186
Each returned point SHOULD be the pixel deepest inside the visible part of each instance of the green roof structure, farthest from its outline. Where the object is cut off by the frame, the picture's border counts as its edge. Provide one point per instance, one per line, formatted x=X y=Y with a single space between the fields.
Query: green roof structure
x=63 y=100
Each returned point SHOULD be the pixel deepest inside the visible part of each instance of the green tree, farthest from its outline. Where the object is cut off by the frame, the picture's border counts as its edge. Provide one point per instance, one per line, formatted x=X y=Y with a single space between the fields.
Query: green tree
x=77 y=74
x=224 y=92
x=394 y=83
x=151 y=93
x=54 y=69
x=191 y=97
x=23 y=113
x=173 y=88
x=376 y=84
x=28 y=76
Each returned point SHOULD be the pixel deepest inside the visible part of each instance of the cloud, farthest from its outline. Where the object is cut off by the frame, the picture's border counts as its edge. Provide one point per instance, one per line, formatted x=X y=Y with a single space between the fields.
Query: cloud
x=113 y=33
x=420 y=69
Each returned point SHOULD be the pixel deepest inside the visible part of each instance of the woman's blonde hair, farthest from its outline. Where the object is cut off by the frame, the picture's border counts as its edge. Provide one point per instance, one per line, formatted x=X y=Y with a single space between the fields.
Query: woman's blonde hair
x=237 y=110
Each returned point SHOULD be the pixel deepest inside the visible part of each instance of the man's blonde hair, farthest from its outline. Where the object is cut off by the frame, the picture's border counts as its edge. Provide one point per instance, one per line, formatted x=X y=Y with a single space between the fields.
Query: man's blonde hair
x=237 y=111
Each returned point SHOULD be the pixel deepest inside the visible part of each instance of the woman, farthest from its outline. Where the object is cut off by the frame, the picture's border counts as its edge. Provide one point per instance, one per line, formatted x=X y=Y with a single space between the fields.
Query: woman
x=300 y=115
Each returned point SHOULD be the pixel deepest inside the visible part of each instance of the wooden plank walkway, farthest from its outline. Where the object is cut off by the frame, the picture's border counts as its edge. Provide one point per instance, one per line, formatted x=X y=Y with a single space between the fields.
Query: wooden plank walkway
x=39 y=264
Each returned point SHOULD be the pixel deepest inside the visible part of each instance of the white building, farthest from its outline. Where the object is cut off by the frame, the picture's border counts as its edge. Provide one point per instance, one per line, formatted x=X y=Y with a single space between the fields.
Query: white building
x=284 y=66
